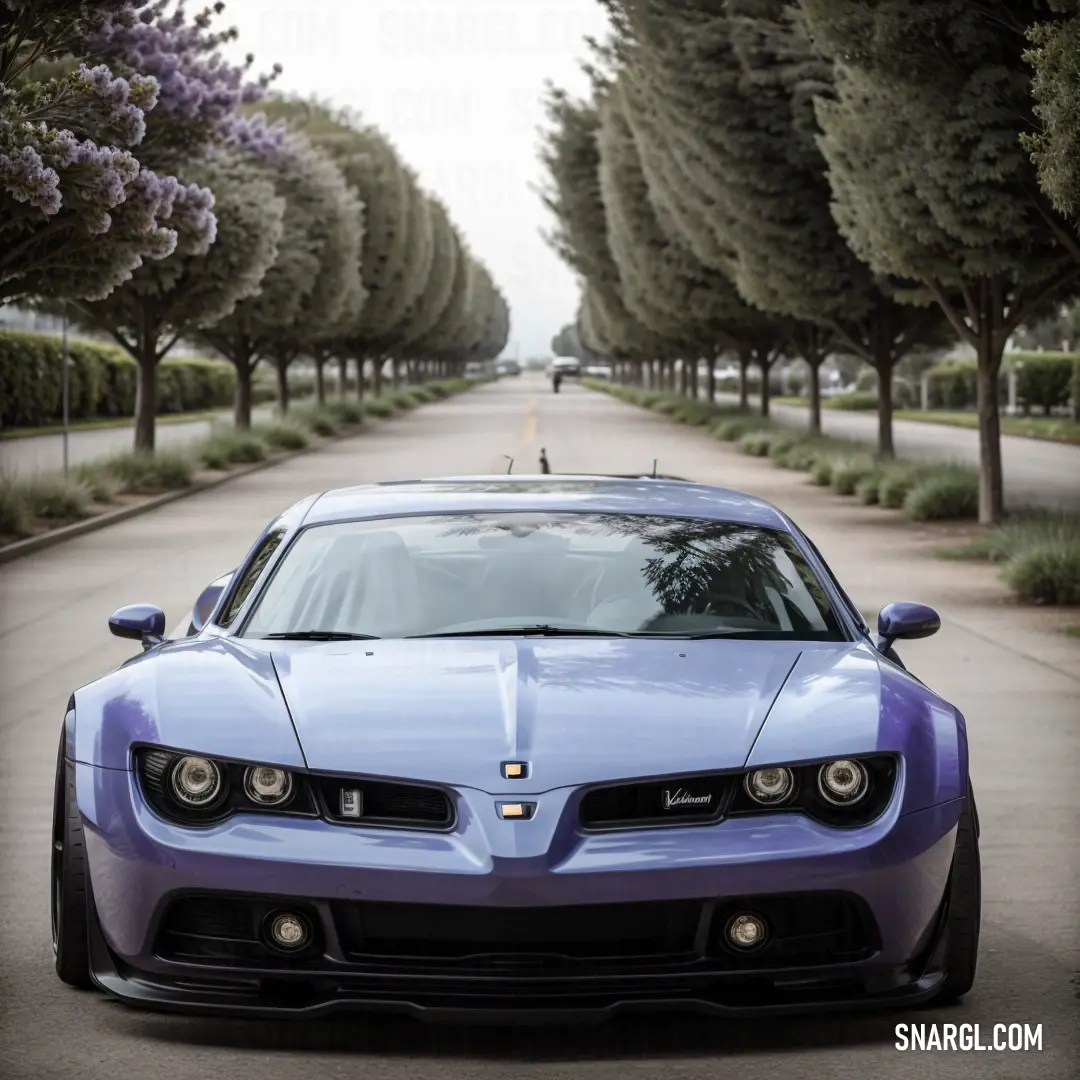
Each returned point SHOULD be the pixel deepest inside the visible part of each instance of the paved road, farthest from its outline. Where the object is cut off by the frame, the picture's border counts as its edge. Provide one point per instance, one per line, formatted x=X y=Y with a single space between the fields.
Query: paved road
x=1019 y=686
x=1037 y=471
x=45 y=453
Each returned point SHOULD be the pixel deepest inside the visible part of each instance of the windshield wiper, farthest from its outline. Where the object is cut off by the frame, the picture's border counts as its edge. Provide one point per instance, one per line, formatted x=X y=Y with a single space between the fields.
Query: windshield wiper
x=528 y=631
x=319 y=635
x=743 y=635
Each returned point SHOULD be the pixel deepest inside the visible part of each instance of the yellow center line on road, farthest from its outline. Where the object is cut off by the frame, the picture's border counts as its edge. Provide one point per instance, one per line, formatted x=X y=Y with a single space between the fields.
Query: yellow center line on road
x=531 y=421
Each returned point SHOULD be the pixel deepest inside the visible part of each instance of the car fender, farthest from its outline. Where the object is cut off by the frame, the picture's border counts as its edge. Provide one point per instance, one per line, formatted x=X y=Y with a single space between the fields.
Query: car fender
x=211 y=696
x=856 y=703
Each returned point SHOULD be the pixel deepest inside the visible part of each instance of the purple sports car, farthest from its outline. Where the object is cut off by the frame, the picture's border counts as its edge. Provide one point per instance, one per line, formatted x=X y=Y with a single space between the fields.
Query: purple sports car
x=521 y=748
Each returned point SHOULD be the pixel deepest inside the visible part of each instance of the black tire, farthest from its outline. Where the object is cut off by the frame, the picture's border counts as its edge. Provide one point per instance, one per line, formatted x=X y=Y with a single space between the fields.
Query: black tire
x=69 y=883
x=964 y=919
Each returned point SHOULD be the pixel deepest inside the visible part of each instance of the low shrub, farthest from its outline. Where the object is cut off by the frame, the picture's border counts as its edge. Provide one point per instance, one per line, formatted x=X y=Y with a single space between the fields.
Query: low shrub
x=733 y=429
x=55 y=497
x=756 y=443
x=943 y=494
x=379 y=407
x=1047 y=572
x=780 y=445
x=896 y=480
x=320 y=422
x=233 y=448
x=283 y=435
x=695 y=413
x=847 y=472
x=14 y=511
x=822 y=471
x=149 y=474
x=346 y=413
x=102 y=485
x=1020 y=532
x=866 y=489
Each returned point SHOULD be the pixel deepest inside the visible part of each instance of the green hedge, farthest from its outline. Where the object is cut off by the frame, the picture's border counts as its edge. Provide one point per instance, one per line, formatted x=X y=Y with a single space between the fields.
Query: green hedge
x=103 y=380
x=952 y=385
x=1044 y=379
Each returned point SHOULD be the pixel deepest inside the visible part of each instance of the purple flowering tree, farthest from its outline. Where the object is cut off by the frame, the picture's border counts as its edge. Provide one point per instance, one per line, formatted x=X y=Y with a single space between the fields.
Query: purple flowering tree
x=227 y=216
x=78 y=212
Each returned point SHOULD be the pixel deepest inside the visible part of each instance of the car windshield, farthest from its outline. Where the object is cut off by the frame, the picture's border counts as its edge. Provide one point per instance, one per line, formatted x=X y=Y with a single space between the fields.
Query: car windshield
x=543 y=573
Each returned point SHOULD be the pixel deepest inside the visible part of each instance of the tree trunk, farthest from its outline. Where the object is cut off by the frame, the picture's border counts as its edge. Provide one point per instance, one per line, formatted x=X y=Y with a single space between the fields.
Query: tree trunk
x=146 y=402
x=814 y=375
x=395 y=375
x=744 y=377
x=710 y=379
x=376 y=376
x=991 y=477
x=884 y=368
x=694 y=379
x=343 y=375
x=765 y=363
x=245 y=369
x=281 y=369
x=320 y=380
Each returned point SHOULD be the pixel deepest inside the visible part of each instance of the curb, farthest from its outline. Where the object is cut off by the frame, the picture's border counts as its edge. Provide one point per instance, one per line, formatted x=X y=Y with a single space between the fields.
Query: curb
x=114 y=517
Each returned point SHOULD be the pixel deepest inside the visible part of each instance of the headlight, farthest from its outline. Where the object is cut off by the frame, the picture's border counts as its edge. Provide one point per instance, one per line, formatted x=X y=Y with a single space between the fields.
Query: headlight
x=843 y=792
x=268 y=786
x=196 y=782
x=843 y=782
x=194 y=790
x=770 y=786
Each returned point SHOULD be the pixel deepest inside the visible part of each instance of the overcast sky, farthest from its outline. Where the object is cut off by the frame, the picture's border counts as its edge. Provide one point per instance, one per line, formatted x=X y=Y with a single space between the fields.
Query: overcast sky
x=456 y=84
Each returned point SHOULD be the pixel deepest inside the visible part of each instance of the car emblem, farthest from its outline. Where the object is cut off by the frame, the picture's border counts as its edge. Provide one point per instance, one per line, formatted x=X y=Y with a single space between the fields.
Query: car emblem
x=352 y=802
x=516 y=811
x=677 y=798
x=515 y=770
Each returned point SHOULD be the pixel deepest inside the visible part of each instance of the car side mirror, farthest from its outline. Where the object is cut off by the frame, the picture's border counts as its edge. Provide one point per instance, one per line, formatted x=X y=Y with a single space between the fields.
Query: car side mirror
x=142 y=622
x=207 y=602
x=905 y=621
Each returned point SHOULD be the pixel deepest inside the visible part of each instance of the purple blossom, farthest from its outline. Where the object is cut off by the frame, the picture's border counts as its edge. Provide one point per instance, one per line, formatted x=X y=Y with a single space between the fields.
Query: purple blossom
x=26 y=177
x=123 y=102
x=195 y=83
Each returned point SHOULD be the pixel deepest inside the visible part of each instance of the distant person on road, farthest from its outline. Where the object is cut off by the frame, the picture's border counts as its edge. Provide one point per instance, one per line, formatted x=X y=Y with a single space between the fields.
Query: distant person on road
x=556 y=381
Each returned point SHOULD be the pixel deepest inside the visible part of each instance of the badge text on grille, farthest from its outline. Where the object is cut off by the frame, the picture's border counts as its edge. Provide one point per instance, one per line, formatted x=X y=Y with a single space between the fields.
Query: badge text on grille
x=352 y=802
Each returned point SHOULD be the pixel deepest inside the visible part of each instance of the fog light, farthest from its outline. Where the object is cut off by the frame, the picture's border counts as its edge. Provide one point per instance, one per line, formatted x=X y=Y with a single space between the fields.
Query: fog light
x=288 y=931
x=770 y=786
x=843 y=782
x=746 y=931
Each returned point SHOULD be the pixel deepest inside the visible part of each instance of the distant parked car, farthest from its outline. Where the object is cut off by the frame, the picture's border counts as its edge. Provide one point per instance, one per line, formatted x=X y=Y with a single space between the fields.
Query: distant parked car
x=599 y=371
x=566 y=366
x=507 y=367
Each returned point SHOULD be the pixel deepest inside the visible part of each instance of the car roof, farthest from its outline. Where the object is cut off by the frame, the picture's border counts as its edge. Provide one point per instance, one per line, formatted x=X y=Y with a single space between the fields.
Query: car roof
x=554 y=492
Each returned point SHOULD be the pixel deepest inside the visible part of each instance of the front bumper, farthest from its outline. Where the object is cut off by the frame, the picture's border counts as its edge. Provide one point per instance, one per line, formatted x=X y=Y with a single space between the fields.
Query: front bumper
x=897 y=869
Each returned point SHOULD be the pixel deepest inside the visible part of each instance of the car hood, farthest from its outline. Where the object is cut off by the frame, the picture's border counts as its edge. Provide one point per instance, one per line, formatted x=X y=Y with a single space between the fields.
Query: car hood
x=579 y=711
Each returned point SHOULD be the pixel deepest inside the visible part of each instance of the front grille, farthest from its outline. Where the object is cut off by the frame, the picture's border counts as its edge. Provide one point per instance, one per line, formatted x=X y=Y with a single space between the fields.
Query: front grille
x=382 y=802
x=216 y=929
x=529 y=940
x=681 y=800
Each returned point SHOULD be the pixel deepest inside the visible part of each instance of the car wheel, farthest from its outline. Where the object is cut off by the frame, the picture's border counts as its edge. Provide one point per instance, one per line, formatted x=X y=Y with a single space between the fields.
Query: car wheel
x=964 y=917
x=70 y=901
